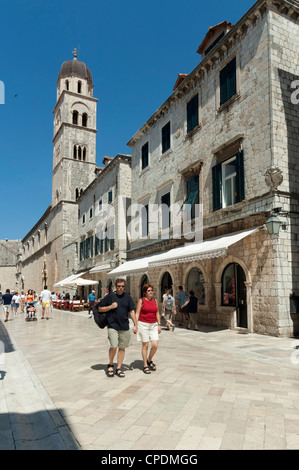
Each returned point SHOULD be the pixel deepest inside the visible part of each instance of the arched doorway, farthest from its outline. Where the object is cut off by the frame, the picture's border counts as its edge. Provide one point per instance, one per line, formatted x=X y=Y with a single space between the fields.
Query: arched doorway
x=196 y=282
x=234 y=292
x=166 y=283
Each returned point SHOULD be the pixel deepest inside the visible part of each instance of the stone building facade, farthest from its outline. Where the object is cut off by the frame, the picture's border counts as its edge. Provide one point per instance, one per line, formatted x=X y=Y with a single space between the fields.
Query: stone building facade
x=102 y=235
x=227 y=139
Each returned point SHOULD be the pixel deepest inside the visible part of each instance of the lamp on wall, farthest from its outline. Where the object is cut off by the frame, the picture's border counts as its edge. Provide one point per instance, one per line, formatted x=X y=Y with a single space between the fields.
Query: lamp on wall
x=112 y=263
x=273 y=224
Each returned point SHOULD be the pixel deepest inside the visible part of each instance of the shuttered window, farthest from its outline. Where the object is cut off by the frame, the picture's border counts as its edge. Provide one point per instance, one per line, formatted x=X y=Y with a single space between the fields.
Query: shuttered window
x=228 y=81
x=192 y=198
x=192 y=113
x=228 y=182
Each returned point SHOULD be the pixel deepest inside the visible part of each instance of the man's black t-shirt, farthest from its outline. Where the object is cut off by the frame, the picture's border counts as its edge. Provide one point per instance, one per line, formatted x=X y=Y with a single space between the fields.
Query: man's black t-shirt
x=7 y=299
x=118 y=318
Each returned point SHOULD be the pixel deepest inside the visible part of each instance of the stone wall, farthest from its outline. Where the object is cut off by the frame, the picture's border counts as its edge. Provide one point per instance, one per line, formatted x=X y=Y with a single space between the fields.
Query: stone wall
x=8 y=265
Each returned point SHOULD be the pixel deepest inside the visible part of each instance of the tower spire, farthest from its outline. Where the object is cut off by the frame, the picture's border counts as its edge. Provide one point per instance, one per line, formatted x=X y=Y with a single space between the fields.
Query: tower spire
x=75 y=53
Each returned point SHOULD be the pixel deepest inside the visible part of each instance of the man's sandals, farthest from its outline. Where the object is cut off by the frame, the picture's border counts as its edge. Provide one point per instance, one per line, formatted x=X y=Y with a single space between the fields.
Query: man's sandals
x=110 y=371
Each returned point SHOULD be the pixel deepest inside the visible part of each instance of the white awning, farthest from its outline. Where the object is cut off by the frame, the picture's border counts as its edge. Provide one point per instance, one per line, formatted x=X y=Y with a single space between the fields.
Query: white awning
x=212 y=248
x=136 y=266
x=100 y=268
x=67 y=280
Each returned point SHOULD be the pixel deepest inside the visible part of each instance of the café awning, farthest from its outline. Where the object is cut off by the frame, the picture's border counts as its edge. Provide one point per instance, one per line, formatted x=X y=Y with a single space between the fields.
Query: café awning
x=136 y=266
x=67 y=280
x=211 y=248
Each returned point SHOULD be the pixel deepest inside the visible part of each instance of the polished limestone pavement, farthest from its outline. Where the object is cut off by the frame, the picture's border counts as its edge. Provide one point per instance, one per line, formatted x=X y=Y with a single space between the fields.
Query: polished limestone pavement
x=213 y=389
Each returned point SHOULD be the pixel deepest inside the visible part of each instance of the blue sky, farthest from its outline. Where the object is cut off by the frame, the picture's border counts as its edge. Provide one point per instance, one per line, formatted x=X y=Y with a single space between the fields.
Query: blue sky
x=134 y=50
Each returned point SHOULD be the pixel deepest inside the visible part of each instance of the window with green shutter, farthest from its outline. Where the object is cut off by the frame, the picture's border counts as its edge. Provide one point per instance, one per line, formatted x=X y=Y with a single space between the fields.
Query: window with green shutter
x=192 y=113
x=228 y=182
x=192 y=198
x=228 y=81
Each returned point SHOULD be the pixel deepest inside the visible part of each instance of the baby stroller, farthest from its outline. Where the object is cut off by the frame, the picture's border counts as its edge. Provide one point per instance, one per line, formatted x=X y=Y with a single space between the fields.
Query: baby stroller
x=31 y=311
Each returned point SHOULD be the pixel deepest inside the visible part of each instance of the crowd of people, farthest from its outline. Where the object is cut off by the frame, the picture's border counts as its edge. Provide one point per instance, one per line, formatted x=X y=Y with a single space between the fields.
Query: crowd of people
x=15 y=302
x=119 y=307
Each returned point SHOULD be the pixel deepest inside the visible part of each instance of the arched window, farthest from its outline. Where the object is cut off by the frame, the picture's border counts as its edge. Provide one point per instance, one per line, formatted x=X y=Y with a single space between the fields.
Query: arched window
x=196 y=282
x=67 y=84
x=75 y=151
x=77 y=193
x=79 y=152
x=79 y=87
x=84 y=120
x=75 y=117
x=84 y=154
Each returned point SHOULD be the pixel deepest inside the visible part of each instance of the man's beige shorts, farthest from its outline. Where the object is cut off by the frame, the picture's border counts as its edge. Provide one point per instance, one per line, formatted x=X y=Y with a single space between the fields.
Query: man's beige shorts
x=119 y=338
x=45 y=303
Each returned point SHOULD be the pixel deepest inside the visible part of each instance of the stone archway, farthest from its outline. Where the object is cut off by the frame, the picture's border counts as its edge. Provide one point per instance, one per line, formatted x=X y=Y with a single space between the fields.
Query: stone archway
x=248 y=284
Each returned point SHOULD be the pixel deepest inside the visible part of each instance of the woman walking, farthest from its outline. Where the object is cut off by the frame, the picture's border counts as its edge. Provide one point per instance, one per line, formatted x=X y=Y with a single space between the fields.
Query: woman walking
x=192 y=305
x=149 y=327
x=23 y=301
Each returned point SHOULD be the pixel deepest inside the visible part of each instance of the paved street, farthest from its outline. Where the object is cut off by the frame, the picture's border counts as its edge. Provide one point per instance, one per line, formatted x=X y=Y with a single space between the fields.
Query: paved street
x=213 y=389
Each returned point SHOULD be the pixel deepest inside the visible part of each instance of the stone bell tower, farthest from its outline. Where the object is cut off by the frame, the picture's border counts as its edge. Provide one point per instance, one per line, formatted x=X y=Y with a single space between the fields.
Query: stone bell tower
x=74 y=142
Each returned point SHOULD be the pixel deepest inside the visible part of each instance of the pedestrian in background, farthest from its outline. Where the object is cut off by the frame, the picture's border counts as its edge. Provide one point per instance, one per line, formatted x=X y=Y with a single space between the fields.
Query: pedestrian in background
x=16 y=302
x=22 y=301
x=182 y=298
x=192 y=306
x=91 y=301
x=46 y=300
x=169 y=309
x=148 y=326
x=7 y=301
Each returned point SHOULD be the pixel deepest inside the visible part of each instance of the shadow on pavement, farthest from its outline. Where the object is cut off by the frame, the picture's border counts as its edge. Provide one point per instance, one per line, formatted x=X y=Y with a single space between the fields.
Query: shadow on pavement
x=35 y=431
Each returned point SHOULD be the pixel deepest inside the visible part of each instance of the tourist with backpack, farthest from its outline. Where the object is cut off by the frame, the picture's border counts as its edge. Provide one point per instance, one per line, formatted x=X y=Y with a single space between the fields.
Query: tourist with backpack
x=120 y=306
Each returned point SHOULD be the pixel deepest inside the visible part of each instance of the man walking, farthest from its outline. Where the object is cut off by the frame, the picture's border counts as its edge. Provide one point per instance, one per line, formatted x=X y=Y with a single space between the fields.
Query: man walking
x=91 y=301
x=119 y=305
x=7 y=301
x=46 y=300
